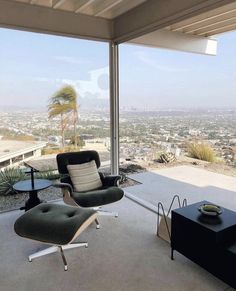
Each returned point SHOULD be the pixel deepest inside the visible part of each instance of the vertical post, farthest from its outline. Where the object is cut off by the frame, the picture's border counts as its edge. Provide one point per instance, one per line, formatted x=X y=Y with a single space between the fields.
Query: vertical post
x=114 y=106
x=32 y=177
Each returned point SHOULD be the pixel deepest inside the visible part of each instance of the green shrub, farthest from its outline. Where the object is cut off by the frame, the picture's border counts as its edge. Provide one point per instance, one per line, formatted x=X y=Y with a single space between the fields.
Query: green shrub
x=8 y=178
x=131 y=168
x=123 y=178
x=49 y=175
x=201 y=151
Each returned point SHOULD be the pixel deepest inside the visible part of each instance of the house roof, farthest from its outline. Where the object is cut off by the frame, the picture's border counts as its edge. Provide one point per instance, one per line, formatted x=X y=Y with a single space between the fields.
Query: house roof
x=12 y=148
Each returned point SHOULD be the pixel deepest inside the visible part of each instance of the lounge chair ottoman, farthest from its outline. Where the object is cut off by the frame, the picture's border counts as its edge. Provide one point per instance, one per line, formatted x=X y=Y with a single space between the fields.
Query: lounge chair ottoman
x=57 y=225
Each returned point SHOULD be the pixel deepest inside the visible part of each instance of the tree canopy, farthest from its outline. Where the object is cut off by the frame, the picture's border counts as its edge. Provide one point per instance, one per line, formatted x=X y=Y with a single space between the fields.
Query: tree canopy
x=64 y=104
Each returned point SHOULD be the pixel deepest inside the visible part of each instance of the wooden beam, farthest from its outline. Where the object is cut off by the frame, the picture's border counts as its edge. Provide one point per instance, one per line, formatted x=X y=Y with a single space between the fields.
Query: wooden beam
x=157 y=14
x=52 y=21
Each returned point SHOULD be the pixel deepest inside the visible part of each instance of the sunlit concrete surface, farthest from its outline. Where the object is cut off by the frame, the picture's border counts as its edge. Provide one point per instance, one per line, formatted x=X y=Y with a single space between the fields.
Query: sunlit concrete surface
x=123 y=255
x=188 y=182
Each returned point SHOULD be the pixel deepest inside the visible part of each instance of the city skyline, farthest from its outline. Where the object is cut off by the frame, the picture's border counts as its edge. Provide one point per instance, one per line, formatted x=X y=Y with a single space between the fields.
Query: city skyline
x=34 y=66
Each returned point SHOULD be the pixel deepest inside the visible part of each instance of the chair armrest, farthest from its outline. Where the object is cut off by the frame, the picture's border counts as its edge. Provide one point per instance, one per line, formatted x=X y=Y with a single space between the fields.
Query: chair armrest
x=110 y=180
x=64 y=186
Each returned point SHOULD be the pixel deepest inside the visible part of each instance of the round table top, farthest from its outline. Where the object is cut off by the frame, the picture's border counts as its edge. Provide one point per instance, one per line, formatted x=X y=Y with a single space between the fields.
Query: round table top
x=26 y=185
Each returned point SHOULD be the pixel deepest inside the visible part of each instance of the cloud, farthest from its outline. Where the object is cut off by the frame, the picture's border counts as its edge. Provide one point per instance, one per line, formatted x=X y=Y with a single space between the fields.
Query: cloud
x=146 y=59
x=97 y=84
x=72 y=60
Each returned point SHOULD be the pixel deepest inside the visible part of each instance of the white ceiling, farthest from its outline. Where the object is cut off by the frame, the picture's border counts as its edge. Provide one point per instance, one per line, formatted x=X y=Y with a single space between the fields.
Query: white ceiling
x=216 y=21
x=119 y=21
x=109 y=9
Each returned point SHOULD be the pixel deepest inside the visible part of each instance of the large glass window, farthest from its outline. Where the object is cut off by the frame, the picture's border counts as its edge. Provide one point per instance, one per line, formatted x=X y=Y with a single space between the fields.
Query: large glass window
x=178 y=105
x=40 y=72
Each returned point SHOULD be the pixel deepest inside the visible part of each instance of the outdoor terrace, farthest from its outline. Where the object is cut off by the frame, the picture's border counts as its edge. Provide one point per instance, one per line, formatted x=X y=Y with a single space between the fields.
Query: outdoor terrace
x=125 y=254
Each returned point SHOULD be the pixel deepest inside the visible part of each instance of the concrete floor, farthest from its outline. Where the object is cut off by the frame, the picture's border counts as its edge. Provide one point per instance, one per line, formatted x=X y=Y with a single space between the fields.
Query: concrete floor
x=188 y=182
x=124 y=255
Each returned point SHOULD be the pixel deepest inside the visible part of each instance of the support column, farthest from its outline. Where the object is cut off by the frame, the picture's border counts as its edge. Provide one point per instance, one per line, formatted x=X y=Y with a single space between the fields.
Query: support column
x=114 y=107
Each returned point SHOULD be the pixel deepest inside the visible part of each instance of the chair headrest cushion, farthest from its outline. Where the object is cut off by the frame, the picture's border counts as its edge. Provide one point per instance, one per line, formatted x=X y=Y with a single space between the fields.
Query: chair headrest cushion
x=73 y=158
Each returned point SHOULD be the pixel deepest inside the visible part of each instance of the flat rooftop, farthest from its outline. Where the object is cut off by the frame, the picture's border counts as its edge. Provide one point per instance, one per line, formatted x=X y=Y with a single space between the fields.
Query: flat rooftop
x=8 y=147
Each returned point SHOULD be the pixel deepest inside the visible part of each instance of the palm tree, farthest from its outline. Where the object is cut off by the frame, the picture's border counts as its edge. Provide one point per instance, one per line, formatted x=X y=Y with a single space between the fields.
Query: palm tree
x=64 y=103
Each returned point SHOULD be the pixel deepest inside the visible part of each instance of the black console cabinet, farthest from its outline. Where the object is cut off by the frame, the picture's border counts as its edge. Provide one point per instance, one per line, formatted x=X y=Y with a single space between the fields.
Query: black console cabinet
x=208 y=241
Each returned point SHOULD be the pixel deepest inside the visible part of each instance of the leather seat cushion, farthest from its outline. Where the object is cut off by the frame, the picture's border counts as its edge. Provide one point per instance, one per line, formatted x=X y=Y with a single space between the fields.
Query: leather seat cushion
x=98 y=197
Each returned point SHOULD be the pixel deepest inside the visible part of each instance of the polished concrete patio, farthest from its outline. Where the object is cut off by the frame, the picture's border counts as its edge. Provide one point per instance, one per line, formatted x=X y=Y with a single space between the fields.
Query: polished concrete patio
x=124 y=255
x=188 y=182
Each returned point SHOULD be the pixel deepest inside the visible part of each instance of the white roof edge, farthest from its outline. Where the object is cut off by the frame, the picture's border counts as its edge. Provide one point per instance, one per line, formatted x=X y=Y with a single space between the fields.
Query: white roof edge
x=178 y=41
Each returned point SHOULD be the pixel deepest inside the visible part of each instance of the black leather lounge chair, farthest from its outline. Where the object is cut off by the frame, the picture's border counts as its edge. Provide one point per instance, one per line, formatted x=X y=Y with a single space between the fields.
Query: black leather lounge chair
x=107 y=193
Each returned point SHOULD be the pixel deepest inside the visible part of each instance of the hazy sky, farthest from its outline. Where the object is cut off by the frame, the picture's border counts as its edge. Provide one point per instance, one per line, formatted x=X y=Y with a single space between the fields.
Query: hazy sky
x=33 y=66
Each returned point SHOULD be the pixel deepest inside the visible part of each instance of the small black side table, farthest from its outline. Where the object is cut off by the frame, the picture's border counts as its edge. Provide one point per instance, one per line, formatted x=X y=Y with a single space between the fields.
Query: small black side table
x=32 y=188
x=208 y=241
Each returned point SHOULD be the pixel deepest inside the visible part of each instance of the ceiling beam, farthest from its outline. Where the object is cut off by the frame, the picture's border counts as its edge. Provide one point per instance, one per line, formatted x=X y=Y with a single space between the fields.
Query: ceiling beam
x=218 y=27
x=122 y=8
x=208 y=26
x=57 y=3
x=106 y=7
x=157 y=14
x=52 y=21
x=224 y=11
x=83 y=4
x=222 y=30
x=209 y=23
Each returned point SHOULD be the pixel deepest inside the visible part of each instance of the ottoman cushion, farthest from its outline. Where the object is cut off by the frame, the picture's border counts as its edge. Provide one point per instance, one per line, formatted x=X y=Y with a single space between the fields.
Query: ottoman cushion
x=52 y=223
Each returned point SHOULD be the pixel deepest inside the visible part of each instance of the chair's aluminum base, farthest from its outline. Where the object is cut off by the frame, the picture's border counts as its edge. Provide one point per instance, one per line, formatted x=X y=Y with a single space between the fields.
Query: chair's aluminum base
x=97 y=223
x=107 y=213
x=103 y=213
x=54 y=249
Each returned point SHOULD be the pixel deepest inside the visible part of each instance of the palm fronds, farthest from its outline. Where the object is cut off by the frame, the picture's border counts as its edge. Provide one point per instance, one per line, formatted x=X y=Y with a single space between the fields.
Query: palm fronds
x=64 y=103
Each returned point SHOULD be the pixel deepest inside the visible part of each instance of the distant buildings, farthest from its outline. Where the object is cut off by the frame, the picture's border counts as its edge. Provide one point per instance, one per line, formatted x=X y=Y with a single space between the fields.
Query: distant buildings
x=143 y=135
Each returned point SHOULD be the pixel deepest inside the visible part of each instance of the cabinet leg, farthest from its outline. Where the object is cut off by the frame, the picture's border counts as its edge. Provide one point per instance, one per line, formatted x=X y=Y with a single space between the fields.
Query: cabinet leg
x=172 y=254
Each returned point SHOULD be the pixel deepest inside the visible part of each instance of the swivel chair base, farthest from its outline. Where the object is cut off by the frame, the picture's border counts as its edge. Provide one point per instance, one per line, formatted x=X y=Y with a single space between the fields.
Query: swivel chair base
x=104 y=213
x=56 y=225
x=55 y=249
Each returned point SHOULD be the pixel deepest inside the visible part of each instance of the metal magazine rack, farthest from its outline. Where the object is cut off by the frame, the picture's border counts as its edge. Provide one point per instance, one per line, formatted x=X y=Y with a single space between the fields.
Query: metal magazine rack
x=164 y=219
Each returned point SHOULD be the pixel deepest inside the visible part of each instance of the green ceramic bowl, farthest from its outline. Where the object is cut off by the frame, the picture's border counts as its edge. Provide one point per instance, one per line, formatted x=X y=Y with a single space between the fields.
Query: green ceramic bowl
x=210 y=209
